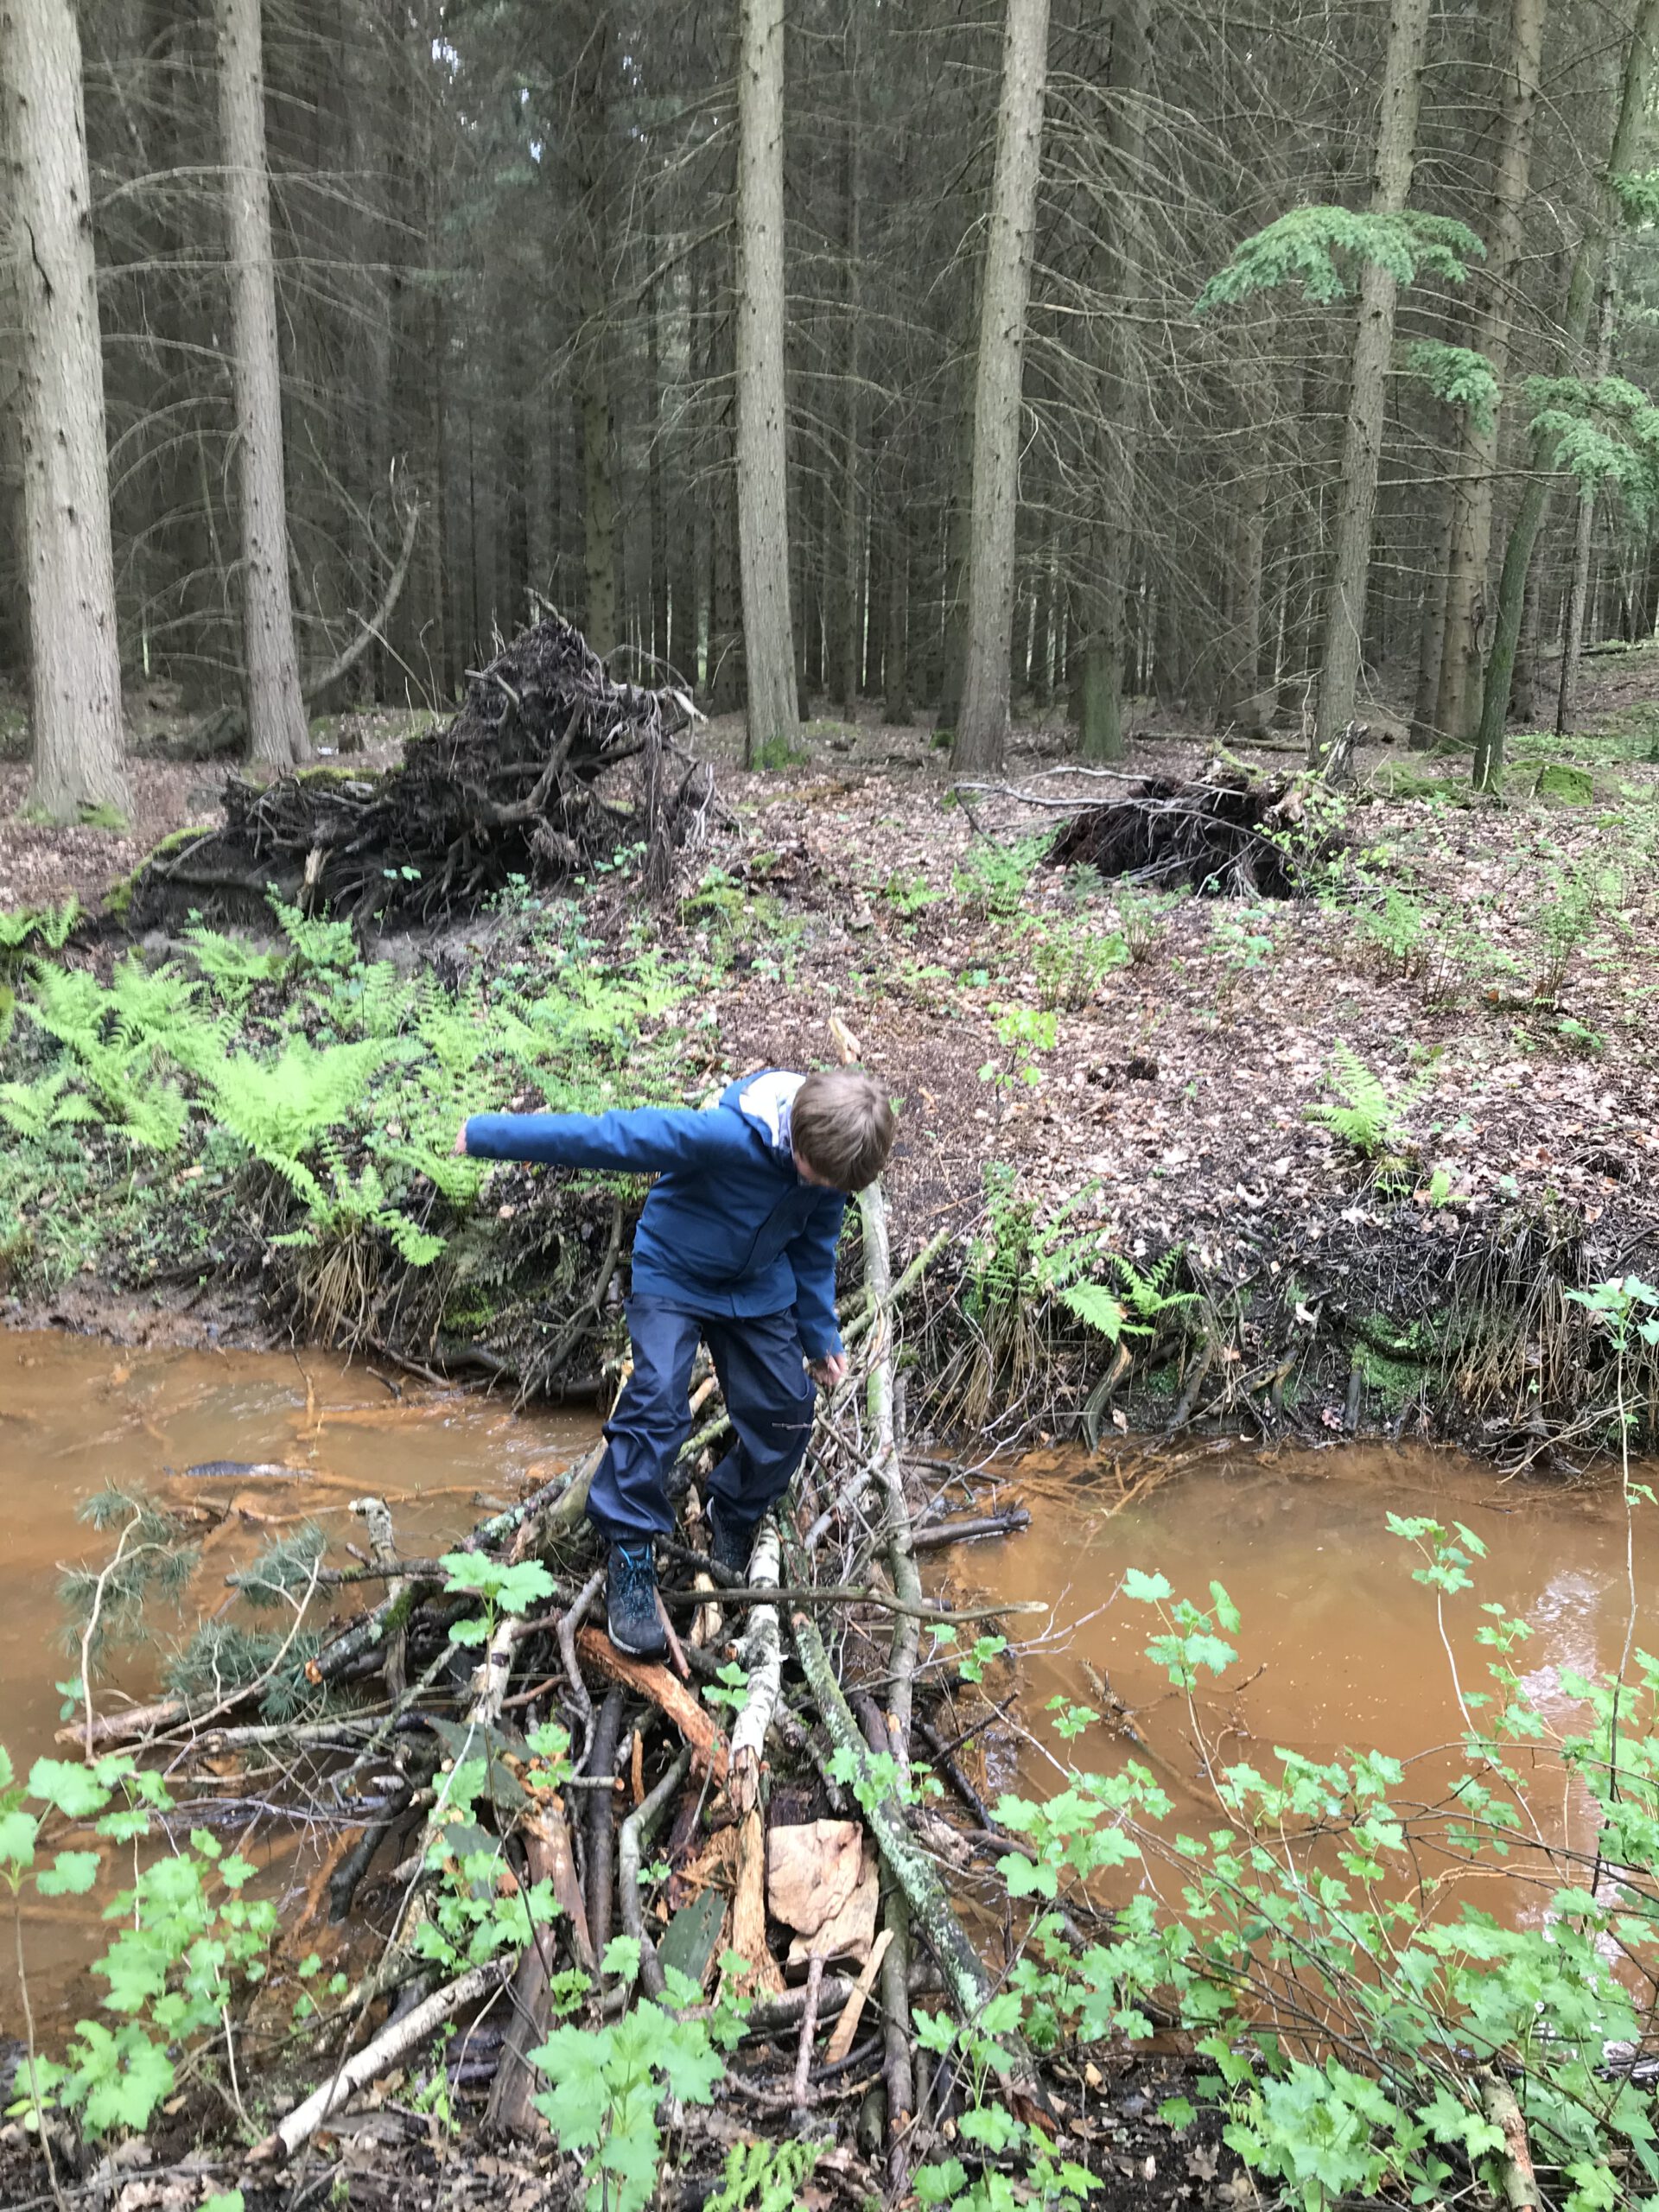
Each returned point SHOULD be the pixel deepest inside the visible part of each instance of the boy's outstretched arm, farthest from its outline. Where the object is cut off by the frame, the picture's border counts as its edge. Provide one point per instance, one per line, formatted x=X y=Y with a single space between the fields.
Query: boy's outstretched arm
x=812 y=1258
x=649 y=1140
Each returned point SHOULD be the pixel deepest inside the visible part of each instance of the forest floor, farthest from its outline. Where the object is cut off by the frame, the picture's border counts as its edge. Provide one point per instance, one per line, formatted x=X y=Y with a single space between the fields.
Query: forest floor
x=1166 y=1061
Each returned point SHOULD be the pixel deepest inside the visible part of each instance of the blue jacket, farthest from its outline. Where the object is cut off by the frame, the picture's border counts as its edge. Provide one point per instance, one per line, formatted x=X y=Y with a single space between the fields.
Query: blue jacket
x=730 y=1227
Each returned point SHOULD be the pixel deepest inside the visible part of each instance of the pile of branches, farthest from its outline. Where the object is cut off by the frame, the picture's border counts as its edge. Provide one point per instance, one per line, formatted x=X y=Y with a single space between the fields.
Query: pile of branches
x=807 y=1760
x=549 y=769
x=1226 y=833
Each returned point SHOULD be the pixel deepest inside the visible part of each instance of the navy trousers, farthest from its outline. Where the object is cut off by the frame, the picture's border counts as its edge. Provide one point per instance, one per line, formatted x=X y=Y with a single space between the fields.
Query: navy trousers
x=769 y=1398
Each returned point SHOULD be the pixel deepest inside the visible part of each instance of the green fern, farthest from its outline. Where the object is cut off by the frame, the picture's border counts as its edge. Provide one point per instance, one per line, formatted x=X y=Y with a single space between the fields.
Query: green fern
x=348 y=1204
x=233 y=968
x=30 y=1109
x=1365 y=1114
x=280 y=1110
x=1321 y=249
x=49 y=926
x=1095 y=1307
x=1150 y=1296
x=320 y=946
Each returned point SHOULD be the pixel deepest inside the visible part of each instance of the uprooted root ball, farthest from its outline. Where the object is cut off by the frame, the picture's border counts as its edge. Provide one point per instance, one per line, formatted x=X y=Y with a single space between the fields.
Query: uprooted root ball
x=549 y=768
x=1225 y=833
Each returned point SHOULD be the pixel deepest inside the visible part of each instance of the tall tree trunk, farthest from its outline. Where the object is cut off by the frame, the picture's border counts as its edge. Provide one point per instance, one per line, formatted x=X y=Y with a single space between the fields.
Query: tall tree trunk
x=982 y=732
x=657 y=495
x=1431 y=635
x=1577 y=590
x=895 y=659
x=1474 y=465
x=1583 y=287
x=1104 y=599
x=849 y=628
x=277 y=729
x=1344 y=622
x=74 y=662
x=958 y=534
x=762 y=451
x=596 y=337
x=1523 y=685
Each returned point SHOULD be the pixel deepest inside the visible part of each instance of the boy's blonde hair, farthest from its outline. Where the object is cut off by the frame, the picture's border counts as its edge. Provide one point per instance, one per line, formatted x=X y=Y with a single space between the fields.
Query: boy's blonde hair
x=842 y=1125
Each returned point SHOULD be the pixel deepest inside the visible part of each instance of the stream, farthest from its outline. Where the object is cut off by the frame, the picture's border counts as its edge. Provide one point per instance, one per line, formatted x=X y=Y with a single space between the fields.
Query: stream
x=1339 y=1645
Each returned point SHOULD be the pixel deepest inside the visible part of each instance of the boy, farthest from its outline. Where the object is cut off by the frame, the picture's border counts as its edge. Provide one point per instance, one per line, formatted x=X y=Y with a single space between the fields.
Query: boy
x=736 y=1245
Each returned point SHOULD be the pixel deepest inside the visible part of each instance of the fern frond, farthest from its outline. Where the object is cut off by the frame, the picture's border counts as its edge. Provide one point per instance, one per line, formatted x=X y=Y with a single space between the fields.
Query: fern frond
x=1096 y=1307
x=1365 y=1114
x=1150 y=1296
x=47 y=925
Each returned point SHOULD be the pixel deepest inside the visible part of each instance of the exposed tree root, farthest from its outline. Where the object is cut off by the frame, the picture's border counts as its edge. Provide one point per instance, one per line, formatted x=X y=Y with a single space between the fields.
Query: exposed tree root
x=548 y=768
x=1227 y=832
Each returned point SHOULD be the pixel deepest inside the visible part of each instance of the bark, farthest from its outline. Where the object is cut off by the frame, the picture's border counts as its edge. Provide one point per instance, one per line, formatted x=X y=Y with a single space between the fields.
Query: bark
x=895 y=660
x=982 y=731
x=1241 y=700
x=762 y=455
x=1523 y=685
x=953 y=642
x=1583 y=286
x=1104 y=597
x=656 y=491
x=593 y=342
x=277 y=726
x=74 y=664
x=1577 y=590
x=849 y=629
x=1373 y=342
x=1474 y=464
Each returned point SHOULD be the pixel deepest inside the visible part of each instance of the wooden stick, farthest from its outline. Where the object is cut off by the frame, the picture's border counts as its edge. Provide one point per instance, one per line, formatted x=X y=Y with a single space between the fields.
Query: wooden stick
x=761 y=1652
x=809 y=2029
x=848 y=1593
x=635 y=1830
x=1521 y=2190
x=676 y=1649
x=671 y=1699
x=846 y=2029
x=392 y=2043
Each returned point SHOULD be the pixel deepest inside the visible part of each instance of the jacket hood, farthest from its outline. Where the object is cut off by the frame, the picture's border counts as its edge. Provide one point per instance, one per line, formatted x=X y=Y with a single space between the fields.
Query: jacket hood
x=765 y=1101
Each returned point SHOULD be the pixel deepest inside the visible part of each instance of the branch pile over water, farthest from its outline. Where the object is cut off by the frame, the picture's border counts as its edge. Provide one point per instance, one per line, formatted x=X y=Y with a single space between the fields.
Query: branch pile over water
x=744 y=1813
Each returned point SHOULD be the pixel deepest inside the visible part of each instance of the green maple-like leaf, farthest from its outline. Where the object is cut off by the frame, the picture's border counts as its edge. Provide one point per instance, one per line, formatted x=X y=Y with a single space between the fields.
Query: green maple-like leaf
x=71 y=1874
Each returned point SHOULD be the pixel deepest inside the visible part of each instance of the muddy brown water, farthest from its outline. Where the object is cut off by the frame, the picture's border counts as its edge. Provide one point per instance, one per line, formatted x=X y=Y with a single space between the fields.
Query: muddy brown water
x=1340 y=1645
x=1339 y=1648
x=77 y=1417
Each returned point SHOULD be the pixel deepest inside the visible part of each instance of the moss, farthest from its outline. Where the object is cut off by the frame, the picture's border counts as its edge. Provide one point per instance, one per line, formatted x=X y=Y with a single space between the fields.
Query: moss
x=1414 y=1344
x=119 y=896
x=1394 y=1381
x=326 y=772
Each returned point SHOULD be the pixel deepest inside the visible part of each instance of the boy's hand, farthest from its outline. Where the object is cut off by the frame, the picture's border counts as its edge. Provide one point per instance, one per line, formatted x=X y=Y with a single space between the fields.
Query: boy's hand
x=458 y=1148
x=828 y=1371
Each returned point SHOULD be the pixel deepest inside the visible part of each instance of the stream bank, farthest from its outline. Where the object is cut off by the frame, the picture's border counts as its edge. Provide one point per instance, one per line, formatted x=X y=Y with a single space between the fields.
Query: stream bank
x=1335 y=1164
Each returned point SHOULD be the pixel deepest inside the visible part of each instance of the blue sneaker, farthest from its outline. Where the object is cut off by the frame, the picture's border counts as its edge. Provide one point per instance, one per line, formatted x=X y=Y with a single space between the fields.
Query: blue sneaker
x=636 y=1626
x=730 y=1542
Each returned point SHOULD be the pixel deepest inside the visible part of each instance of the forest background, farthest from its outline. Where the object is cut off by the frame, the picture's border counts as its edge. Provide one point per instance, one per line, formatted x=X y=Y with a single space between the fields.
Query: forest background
x=521 y=265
